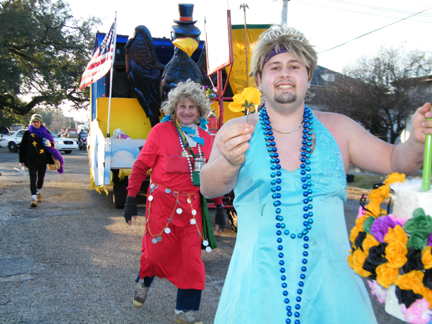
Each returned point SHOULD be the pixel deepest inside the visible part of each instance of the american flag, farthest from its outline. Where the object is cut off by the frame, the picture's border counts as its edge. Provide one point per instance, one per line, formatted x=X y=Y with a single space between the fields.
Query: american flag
x=101 y=61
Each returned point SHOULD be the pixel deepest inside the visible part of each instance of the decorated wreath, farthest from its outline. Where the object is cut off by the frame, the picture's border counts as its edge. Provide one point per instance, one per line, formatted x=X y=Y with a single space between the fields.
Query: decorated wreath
x=394 y=251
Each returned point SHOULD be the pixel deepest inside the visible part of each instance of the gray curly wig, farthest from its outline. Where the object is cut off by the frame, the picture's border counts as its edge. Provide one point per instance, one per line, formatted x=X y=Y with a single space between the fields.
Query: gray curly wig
x=190 y=90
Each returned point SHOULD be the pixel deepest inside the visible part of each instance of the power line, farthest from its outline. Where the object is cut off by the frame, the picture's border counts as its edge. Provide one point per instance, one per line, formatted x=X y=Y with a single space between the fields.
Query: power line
x=371 y=14
x=374 y=7
x=375 y=30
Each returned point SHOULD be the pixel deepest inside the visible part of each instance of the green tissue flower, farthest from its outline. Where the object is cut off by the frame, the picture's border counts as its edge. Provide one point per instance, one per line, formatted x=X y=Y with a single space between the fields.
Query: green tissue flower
x=418 y=241
x=420 y=225
x=368 y=224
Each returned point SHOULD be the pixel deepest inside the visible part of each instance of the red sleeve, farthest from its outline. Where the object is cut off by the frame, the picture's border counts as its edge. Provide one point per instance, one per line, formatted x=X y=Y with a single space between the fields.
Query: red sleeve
x=144 y=162
x=208 y=144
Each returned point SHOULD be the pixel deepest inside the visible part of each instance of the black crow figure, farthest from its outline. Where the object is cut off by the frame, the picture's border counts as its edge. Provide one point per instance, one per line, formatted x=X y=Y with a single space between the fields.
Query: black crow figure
x=152 y=80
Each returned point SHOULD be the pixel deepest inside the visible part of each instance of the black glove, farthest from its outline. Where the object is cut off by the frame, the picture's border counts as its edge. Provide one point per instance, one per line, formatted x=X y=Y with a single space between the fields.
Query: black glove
x=220 y=217
x=130 y=209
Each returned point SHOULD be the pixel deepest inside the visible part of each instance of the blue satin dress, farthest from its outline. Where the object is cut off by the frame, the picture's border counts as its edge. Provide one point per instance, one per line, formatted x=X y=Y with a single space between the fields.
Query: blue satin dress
x=332 y=292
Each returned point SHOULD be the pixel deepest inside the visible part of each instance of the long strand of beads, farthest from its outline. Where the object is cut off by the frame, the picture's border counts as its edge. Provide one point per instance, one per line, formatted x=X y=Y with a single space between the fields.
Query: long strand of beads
x=199 y=147
x=276 y=182
x=187 y=157
x=183 y=149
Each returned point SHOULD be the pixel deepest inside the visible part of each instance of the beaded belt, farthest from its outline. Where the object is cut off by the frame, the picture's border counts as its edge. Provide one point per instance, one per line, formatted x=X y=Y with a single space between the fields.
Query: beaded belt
x=177 y=210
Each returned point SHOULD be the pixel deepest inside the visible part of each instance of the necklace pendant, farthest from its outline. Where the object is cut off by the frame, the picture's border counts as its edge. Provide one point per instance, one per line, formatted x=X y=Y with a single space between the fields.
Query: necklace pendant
x=185 y=154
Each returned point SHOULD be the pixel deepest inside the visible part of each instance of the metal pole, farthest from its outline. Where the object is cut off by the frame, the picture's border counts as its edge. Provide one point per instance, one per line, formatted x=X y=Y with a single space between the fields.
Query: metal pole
x=220 y=86
x=284 y=13
x=111 y=79
x=244 y=6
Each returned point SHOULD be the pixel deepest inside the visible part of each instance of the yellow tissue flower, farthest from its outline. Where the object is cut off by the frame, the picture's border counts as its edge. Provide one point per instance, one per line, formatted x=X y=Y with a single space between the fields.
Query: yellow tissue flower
x=369 y=242
x=357 y=228
x=350 y=260
x=427 y=294
x=358 y=259
x=396 y=253
x=395 y=177
x=396 y=234
x=411 y=281
x=386 y=275
x=427 y=257
x=373 y=209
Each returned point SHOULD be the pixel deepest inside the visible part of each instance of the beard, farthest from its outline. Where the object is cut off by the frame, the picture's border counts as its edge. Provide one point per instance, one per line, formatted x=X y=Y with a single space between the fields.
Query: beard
x=285 y=98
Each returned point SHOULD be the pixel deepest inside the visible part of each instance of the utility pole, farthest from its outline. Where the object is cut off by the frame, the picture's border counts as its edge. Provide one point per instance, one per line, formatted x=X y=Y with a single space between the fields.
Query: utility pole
x=244 y=6
x=284 y=13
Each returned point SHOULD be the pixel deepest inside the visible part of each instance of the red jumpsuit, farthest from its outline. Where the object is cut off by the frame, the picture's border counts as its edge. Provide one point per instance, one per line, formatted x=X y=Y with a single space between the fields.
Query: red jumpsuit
x=172 y=239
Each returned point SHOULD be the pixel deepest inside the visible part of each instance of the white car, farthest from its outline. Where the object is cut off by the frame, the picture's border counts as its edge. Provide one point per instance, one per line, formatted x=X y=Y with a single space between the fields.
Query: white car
x=64 y=144
x=13 y=141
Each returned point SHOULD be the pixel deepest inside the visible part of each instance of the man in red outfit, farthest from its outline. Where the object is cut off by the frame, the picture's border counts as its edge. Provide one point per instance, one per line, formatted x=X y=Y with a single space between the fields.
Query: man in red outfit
x=171 y=246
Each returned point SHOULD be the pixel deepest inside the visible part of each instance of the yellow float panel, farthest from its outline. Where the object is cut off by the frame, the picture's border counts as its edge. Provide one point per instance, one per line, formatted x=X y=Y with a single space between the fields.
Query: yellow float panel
x=126 y=114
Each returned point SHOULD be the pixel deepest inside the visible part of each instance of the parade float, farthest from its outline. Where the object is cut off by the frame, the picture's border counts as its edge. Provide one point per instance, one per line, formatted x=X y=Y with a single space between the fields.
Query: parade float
x=125 y=101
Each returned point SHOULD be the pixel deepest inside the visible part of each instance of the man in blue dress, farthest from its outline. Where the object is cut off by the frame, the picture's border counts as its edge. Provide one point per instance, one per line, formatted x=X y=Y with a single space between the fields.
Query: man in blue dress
x=287 y=166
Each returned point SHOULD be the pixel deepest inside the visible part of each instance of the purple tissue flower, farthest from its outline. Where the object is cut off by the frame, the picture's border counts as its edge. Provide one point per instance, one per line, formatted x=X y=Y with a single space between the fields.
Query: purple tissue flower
x=429 y=241
x=380 y=227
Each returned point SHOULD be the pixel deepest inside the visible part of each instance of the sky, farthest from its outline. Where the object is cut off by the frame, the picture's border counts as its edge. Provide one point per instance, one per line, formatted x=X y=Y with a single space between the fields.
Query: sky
x=326 y=23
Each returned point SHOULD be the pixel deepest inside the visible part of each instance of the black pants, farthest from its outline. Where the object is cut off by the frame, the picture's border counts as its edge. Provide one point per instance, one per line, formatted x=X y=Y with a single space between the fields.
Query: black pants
x=36 y=180
x=187 y=299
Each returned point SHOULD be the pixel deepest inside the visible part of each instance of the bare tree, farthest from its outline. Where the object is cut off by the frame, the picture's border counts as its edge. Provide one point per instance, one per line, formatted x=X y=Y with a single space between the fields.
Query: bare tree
x=380 y=92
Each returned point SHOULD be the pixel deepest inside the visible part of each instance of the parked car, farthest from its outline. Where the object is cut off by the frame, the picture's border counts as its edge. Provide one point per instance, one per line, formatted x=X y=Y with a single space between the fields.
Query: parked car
x=13 y=140
x=4 y=130
x=64 y=144
x=4 y=140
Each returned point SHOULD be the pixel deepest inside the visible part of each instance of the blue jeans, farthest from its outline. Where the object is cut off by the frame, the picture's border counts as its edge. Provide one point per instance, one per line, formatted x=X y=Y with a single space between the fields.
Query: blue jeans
x=187 y=299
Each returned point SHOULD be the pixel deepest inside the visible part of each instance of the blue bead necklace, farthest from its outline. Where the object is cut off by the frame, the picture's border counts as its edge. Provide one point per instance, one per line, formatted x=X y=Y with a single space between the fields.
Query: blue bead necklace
x=276 y=182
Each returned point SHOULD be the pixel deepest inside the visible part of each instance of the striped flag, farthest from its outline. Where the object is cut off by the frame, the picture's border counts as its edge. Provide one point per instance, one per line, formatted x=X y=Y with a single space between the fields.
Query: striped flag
x=101 y=61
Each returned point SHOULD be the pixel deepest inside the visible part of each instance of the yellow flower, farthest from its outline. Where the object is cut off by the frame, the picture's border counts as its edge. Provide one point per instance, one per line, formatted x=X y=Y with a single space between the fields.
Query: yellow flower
x=384 y=191
x=357 y=228
x=376 y=197
x=396 y=234
x=350 y=260
x=373 y=209
x=354 y=233
x=427 y=257
x=395 y=177
x=396 y=253
x=360 y=221
x=386 y=275
x=427 y=294
x=369 y=242
x=411 y=281
x=358 y=259
x=246 y=100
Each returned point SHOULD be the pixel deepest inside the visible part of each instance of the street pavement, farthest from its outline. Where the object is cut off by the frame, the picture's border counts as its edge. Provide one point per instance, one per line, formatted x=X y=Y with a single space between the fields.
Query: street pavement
x=73 y=259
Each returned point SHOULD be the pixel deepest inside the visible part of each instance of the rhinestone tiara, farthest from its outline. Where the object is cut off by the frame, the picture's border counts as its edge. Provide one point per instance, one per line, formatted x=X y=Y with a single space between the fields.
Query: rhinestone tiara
x=278 y=31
